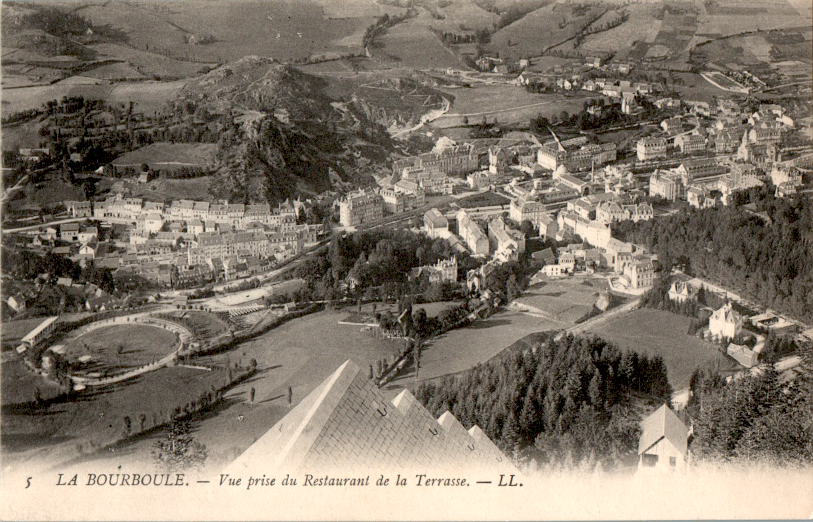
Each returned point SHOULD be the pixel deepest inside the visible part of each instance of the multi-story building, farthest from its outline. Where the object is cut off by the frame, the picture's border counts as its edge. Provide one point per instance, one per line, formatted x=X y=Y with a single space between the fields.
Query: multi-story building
x=610 y=212
x=406 y=186
x=506 y=243
x=698 y=168
x=522 y=209
x=727 y=140
x=255 y=212
x=437 y=184
x=650 y=148
x=592 y=232
x=396 y=202
x=666 y=184
x=691 y=143
x=699 y=196
x=79 y=208
x=472 y=234
x=725 y=322
x=575 y=157
x=763 y=135
x=200 y=210
x=69 y=232
x=548 y=226
x=453 y=161
x=360 y=207
x=435 y=224
x=638 y=273
x=479 y=180
x=220 y=245
x=152 y=223
x=738 y=179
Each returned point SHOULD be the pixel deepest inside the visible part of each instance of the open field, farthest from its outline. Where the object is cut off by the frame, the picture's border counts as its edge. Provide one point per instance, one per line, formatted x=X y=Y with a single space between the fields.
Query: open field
x=122 y=346
x=147 y=63
x=299 y=354
x=543 y=28
x=697 y=89
x=566 y=300
x=640 y=27
x=412 y=44
x=464 y=13
x=728 y=24
x=664 y=333
x=167 y=189
x=46 y=194
x=724 y=81
x=548 y=63
x=238 y=28
x=504 y=104
x=463 y=348
x=494 y=97
x=147 y=95
x=99 y=416
x=164 y=155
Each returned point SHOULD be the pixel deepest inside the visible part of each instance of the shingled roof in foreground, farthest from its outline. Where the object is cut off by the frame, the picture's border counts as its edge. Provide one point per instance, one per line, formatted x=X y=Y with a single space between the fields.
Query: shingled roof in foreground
x=345 y=423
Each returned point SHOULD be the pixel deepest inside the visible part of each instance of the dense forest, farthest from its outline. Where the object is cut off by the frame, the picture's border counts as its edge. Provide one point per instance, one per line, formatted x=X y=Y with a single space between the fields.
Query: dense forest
x=754 y=419
x=765 y=253
x=560 y=402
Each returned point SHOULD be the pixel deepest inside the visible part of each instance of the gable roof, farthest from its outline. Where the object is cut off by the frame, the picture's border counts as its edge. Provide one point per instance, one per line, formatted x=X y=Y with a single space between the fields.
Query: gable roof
x=726 y=313
x=663 y=423
x=346 y=422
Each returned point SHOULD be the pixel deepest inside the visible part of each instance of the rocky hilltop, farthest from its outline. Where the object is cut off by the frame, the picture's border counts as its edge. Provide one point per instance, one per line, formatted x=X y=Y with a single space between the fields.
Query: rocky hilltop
x=281 y=132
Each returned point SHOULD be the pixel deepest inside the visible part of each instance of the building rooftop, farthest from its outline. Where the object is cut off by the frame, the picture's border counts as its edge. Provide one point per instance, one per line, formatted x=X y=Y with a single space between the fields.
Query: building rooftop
x=346 y=423
x=663 y=423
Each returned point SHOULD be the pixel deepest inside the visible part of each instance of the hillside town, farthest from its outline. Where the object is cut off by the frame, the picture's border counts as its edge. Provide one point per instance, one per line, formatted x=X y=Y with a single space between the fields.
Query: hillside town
x=522 y=260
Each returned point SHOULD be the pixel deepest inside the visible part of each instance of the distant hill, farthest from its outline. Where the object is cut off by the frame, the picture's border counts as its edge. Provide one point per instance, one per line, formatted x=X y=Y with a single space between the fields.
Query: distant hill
x=281 y=132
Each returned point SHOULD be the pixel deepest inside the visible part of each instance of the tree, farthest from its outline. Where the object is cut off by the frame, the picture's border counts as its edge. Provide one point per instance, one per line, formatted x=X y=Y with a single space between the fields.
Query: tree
x=178 y=450
x=511 y=437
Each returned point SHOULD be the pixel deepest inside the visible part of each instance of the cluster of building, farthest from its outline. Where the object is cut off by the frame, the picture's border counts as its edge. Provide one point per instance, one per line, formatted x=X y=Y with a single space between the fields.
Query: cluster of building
x=184 y=242
x=725 y=325
x=202 y=216
x=703 y=182
x=417 y=177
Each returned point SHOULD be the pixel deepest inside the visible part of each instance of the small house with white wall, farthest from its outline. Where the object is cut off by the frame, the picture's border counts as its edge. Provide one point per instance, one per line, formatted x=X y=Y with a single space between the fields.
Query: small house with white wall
x=681 y=291
x=663 y=446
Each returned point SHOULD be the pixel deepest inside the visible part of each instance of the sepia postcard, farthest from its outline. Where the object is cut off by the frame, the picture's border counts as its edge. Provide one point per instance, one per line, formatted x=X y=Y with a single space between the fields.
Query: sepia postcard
x=406 y=259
